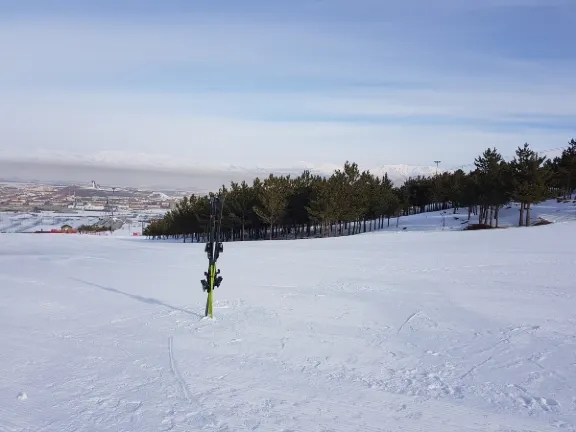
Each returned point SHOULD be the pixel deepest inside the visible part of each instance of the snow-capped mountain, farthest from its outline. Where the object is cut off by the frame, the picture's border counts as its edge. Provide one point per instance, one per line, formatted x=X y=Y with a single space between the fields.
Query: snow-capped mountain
x=399 y=173
x=396 y=173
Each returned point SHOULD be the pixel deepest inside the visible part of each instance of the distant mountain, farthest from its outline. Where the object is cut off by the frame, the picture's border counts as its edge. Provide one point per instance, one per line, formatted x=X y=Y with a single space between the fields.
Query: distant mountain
x=396 y=173
x=399 y=173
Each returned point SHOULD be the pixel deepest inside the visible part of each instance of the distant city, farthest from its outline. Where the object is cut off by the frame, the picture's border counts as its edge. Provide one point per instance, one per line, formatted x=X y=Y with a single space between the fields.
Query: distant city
x=36 y=207
x=91 y=196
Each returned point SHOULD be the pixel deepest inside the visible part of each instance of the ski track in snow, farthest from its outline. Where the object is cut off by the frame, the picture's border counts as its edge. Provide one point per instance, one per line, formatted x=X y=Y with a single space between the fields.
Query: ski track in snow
x=92 y=344
x=407 y=321
x=176 y=372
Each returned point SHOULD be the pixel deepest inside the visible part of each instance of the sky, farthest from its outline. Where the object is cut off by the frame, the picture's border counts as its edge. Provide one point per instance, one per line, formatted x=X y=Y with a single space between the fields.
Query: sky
x=177 y=86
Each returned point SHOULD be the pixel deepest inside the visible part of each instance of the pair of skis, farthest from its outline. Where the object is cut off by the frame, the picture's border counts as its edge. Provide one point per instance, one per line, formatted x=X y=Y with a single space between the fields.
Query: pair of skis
x=213 y=249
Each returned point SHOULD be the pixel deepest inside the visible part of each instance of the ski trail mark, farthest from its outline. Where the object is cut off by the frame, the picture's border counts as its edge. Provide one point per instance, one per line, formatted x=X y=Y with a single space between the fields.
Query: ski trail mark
x=176 y=372
x=407 y=321
x=476 y=367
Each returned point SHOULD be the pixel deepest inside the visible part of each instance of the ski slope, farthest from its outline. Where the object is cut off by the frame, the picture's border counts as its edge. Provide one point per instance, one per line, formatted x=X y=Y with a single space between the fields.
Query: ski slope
x=447 y=220
x=438 y=331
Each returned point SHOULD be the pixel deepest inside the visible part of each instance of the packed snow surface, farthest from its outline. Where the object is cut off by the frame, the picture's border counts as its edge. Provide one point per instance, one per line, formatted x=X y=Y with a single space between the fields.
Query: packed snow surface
x=392 y=331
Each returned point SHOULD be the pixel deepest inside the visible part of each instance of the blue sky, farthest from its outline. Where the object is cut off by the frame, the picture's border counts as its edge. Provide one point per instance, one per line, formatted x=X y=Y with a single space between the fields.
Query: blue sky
x=284 y=84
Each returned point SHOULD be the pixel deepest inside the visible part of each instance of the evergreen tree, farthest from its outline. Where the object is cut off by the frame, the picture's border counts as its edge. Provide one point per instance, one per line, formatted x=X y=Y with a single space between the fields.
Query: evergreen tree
x=240 y=203
x=567 y=168
x=529 y=180
x=493 y=186
x=274 y=199
x=350 y=201
x=323 y=206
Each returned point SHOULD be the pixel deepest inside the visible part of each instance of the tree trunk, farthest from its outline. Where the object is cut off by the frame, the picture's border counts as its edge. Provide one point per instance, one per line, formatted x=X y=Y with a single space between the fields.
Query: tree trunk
x=491 y=215
x=528 y=214
x=521 y=222
x=496 y=215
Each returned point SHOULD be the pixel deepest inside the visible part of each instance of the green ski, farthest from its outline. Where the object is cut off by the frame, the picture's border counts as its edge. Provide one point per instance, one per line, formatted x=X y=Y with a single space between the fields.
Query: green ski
x=213 y=249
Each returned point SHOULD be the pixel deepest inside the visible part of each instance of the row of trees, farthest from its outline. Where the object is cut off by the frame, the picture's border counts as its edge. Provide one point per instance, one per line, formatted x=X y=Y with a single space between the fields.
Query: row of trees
x=351 y=201
x=93 y=229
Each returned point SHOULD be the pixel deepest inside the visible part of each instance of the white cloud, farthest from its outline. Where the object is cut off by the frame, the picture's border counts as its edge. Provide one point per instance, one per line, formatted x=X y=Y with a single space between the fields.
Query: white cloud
x=498 y=105
x=126 y=131
x=66 y=48
x=44 y=119
x=45 y=50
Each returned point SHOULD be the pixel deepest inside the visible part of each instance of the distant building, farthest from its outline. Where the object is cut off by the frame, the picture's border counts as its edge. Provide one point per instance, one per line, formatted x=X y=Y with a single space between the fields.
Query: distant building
x=93 y=207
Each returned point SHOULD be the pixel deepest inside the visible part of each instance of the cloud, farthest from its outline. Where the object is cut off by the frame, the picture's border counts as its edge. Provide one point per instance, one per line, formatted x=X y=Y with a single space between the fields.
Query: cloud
x=278 y=87
x=403 y=44
x=152 y=133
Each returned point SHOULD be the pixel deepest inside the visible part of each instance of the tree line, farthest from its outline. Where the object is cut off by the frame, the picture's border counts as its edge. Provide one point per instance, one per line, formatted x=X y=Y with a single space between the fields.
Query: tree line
x=351 y=201
x=93 y=229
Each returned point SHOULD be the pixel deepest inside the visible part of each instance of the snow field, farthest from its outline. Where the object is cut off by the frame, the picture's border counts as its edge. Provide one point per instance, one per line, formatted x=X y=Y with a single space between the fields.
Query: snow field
x=446 y=220
x=392 y=331
x=30 y=222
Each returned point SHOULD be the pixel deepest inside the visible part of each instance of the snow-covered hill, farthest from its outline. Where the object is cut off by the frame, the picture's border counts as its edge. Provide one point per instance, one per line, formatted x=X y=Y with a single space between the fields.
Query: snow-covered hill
x=414 y=331
x=550 y=210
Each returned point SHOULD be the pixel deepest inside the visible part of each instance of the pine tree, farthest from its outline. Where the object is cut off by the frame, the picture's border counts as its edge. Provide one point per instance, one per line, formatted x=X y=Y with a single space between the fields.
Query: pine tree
x=492 y=179
x=323 y=206
x=567 y=165
x=456 y=189
x=529 y=180
x=240 y=203
x=359 y=201
x=274 y=199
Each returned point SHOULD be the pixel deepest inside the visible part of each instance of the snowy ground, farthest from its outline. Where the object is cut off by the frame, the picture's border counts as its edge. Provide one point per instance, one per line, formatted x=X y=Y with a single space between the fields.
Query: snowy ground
x=14 y=222
x=391 y=331
x=509 y=215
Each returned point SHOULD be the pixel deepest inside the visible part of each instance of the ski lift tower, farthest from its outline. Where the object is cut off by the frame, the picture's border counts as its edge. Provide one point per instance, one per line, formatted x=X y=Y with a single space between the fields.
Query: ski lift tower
x=437 y=162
